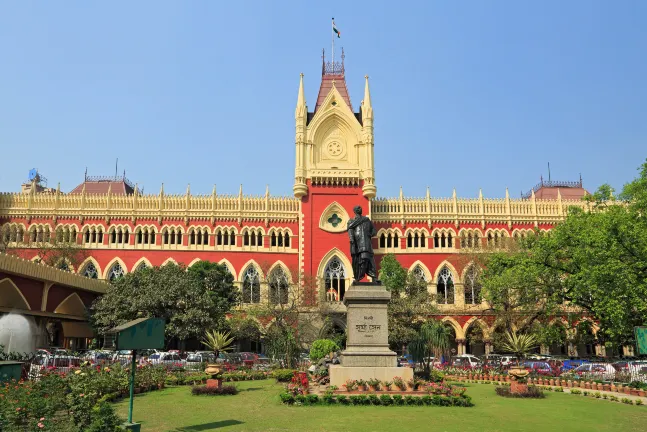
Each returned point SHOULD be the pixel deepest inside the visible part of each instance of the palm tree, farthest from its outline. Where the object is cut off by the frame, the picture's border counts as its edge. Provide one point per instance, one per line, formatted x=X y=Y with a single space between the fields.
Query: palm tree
x=519 y=344
x=218 y=341
x=432 y=340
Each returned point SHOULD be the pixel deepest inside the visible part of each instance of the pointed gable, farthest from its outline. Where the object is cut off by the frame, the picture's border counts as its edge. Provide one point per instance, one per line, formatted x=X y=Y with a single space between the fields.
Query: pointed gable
x=333 y=72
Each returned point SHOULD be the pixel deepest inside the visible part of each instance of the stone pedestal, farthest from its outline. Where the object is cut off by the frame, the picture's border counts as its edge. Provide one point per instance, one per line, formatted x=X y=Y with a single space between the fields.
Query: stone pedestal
x=367 y=353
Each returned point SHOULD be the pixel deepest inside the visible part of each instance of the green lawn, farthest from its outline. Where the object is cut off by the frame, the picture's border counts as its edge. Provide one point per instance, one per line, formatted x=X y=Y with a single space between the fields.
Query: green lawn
x=257 y=408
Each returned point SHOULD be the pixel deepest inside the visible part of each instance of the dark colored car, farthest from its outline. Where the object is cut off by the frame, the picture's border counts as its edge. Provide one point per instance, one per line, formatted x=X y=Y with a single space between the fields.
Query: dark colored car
x=573 y=363
x=537 y=366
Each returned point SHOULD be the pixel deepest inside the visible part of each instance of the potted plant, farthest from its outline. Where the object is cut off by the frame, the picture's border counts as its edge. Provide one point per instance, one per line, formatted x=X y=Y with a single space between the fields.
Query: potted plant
x=361 y=385
x=217 y=342
x=350 y=385
x=373 y=384
x=399 y=383
x=387 y=385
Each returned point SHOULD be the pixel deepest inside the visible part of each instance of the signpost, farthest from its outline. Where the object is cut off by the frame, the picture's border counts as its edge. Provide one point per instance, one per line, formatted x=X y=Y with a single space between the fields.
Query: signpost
x=143 y=333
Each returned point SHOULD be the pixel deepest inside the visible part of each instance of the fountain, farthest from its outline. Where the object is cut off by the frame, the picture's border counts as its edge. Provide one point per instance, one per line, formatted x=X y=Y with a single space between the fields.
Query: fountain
x=18 y=333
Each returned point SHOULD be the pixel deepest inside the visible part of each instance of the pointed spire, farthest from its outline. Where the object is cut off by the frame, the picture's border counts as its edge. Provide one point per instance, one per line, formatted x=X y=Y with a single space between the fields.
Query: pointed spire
x=162 y=189
x=267 y=190
x=428 y=196
x=188 y=189
x=367 y=94
x=214 y=190
x=58 y=188
x=454 y=193
x=401 y=194
x=480 y=194
x=301 y=99
x=136 y=188
x=507 y=194
x=240 y=191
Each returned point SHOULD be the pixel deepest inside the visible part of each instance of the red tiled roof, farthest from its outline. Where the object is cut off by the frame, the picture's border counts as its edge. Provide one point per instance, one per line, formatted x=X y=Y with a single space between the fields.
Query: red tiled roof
x=326 y=86
x=101 y=187
x=567 y=193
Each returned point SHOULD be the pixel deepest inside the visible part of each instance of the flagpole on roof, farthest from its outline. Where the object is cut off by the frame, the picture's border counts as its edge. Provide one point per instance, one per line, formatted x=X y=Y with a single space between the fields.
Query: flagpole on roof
x=332 y=38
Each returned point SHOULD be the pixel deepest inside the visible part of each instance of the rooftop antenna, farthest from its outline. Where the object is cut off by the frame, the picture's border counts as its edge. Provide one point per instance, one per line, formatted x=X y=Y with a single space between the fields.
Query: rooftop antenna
x=549 y=171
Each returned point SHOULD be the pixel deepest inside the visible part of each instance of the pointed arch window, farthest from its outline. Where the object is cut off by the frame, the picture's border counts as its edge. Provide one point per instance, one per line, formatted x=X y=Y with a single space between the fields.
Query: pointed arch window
x=278 y=283
x=251 y=285
x=445 y=286
x=141 y=266
x=419 y=273
x=335 y=280
x=90 y=271
x=116 y=271
x=472 y=286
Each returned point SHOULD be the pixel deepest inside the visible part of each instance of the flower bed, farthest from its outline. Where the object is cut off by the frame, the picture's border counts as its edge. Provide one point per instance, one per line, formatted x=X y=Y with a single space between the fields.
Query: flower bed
x=374 y=399
x=214 y=391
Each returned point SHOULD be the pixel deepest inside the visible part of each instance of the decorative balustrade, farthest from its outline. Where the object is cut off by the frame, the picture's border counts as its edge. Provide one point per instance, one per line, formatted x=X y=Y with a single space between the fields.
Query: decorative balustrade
x=471 y=210
x=161 y=206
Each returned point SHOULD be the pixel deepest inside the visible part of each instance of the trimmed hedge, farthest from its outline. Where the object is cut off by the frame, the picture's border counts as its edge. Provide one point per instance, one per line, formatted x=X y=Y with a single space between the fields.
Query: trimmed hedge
x=373 y=399
x=283 y=375
x=214 y=391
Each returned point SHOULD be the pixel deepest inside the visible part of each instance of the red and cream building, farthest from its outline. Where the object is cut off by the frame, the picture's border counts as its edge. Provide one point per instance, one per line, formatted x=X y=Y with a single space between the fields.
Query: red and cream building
x=257 y=236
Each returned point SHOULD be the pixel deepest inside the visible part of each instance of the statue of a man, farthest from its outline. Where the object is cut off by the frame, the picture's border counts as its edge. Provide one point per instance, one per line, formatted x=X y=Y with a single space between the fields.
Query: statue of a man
x=361 y=230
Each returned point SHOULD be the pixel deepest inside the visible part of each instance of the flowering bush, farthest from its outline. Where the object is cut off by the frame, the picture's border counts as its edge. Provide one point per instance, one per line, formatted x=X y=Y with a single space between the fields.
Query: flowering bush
x=350 y=385
x=399 y=383
x=299 y=384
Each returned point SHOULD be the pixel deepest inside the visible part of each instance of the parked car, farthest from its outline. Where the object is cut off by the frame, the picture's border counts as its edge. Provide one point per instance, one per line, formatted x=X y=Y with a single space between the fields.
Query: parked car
x=169 y=359
x=51 y=362
x=573 y=363
x=537 y=366
x=98 y=357
x=598 y=370
x=492 y=359
x=466 y=360
x=405 y=362
x=508 y=360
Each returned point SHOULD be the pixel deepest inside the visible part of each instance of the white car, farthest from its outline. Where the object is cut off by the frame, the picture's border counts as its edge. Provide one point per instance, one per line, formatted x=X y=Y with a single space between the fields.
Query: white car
x=598 y=370
x=467 y=360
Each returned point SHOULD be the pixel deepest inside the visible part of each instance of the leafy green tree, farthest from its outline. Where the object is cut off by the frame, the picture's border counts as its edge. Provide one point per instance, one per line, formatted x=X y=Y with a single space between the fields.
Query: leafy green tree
x=410 y=304
x=432 y=340
x=594 y=262
x=519 y=344
x=219 y=284
x=169 y=292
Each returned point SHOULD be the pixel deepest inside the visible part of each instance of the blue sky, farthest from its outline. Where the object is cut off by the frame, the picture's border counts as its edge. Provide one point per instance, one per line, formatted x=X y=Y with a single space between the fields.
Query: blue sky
x=468 y=94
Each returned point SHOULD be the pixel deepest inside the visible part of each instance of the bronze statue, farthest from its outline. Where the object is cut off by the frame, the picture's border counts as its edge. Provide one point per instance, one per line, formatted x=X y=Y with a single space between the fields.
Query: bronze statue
x=361 y=230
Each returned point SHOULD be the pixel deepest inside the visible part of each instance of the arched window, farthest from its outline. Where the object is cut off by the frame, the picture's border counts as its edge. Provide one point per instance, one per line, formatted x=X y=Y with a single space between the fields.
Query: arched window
x=90 y=271
x=232 y=238
x=472 y=286
x=63 y=265
x=246 y=239
x=219 y=238
x=273 y=239
x=116 y=271
x=445 y=287
x=419 y=273
x=286 y=242
x=259 y=239
x=382 y=241
x=335 y=280
x=141 y=266
x=251 y=285
x=278 y=282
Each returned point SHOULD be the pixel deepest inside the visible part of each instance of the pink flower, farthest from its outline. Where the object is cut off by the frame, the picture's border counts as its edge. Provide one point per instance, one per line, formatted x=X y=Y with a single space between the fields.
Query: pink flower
x=82 y=394
x=42 y=418
x=40 y=425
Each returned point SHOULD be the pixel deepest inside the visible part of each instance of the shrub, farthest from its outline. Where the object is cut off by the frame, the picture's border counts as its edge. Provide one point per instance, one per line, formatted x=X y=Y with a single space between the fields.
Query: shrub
x=627 y=401
x=355 y=400
x=410 y=400
x=282 y=375
x=576 y=391
x=639 y=402
x=436 y=376
x=320 y=348
x=214 y=391
x=374 y=400
x=287 y=398
x=386 y=400
x=533 y=392
x=398 y=400
x=426 y=400
x=343 y=400
x=328 y=399
x=612 y=398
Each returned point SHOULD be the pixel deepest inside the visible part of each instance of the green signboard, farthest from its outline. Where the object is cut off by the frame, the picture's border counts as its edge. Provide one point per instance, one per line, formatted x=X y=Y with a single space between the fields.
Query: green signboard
x=143 y=333
x=641 y=339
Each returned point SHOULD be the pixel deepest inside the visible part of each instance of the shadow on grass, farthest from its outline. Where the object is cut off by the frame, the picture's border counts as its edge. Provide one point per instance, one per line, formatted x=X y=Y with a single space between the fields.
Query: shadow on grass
x=253 y=389
x=209 y=426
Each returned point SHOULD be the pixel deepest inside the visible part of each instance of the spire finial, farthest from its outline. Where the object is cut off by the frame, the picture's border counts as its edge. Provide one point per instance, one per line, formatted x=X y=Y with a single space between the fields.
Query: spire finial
x=367 y=94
